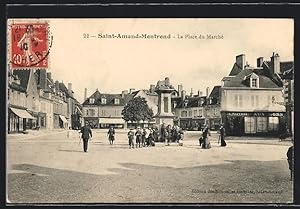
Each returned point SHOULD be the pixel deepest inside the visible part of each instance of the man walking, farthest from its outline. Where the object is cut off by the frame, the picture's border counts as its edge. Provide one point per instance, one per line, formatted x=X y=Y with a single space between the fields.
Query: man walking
x=86 y=135
x=111 y=135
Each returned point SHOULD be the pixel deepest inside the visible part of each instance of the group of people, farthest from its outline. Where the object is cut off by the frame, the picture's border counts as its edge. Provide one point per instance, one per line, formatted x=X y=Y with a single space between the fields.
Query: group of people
x=204 y=140
x=171 y=134
x=143 y=137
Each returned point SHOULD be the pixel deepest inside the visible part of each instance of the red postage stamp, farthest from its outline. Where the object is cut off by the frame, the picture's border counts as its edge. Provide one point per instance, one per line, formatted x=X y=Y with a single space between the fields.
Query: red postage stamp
x=29 y=45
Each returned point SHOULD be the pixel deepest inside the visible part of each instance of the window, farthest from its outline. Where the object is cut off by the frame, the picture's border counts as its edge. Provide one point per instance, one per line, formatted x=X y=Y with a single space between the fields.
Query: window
x=253 y=82
x=184 y=113
x=92 y=112
x=250 y=125
x=238 y=100
x=103 y=100
x=195 y=112
x=190 y=113
x=200 y=112
x=87 y=112
x=257 y=100
x=262 y=124
x=252 y=100
x=91 y=100
x=215 y=112
x=166 y=104
x=273 y=124
x=117 y=101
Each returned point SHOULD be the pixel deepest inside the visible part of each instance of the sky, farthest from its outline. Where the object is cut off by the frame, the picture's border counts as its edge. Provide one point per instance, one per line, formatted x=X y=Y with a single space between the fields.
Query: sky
x=113 y=65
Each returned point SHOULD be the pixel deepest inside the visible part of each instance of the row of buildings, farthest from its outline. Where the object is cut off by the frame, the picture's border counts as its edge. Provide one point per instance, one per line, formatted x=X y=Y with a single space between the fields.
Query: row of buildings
x=35 y=101
x=250 y=100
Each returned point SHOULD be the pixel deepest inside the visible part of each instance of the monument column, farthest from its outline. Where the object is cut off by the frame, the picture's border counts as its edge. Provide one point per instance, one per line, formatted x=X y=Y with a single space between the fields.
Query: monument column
x=164 y=114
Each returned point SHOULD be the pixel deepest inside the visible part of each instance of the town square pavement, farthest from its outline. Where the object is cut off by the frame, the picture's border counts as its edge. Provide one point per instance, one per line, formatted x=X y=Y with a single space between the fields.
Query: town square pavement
x=52 y=168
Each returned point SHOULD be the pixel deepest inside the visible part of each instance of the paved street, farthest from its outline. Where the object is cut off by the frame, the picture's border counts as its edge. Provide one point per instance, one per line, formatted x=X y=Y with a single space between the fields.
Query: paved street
x=54 y=169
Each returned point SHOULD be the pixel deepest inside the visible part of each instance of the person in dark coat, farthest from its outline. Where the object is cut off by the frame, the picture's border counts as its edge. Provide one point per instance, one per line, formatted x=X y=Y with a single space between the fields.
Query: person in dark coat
x=222 y=136
x=138 y=135
x=144 y=133
x=86 y=135
x=206 y=143
x=162 y=133
x=111 y=135
x=168 y=135
x=130 y=135
x=290 y=159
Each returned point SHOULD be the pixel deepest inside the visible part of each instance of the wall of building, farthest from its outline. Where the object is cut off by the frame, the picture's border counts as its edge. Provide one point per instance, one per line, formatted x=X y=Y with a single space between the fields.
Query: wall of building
x=16 y=98
x=251 y=100
x=110 y=111
x=90 y=111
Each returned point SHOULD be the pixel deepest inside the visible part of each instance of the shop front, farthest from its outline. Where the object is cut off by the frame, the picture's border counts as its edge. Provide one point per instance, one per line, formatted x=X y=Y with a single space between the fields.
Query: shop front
x=254 y=123
x=111 y=122
x=17 y=119
x=92 y=121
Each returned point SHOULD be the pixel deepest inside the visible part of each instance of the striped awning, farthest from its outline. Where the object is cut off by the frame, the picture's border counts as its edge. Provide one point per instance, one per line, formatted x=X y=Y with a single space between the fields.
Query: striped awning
x=63 y=118
x=22 y=113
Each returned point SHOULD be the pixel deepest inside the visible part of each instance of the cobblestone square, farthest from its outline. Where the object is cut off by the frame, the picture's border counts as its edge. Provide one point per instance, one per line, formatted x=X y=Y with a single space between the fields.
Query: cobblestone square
x=53 y=168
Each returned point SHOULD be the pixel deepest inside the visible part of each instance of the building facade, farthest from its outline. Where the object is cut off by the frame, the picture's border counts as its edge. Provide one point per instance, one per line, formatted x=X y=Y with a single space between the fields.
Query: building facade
x=247 y=96
x=105 y=110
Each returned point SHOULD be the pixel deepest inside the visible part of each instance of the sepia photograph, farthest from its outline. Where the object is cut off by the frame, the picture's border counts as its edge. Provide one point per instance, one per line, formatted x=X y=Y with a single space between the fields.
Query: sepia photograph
x=150 y=110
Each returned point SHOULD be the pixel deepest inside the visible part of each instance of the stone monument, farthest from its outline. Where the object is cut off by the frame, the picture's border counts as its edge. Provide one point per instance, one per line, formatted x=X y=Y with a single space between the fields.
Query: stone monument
x=164 y=114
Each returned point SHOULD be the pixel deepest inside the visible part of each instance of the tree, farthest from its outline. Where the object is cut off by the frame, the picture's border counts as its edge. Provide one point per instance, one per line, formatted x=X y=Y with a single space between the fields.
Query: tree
x=137 y=109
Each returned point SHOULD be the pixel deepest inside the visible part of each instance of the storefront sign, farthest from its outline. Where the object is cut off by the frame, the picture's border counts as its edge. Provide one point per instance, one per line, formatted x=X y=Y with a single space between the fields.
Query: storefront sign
x=255 y=114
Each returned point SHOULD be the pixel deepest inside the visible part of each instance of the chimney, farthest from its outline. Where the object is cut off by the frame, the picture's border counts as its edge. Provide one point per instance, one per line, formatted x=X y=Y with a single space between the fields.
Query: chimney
x=207 y=92
x=191 y=92
x=124 y=93
x=183 y=94
x=131 y=90
x=57 y=85
x=152 y=88
x=167 y=81
x=85 y=94
x=199 y=93
x=241 y=61
x=180 y=88
x=70 y=89
x=275 y=63
x=260 y=61
x=49 y=76
x=42 y=78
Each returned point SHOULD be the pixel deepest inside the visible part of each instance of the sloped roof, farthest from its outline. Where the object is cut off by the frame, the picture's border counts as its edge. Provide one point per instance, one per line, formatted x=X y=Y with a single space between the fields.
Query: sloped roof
x=235 y=70
x=109 y=99
x=17 y=87
x=23 y=75
x=264 y=81
x=215 y=93
x=191 y=102
x=286 y=66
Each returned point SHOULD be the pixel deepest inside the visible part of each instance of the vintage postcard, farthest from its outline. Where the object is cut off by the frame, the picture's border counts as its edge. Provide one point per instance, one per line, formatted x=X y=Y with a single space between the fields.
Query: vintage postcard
x=150 y=110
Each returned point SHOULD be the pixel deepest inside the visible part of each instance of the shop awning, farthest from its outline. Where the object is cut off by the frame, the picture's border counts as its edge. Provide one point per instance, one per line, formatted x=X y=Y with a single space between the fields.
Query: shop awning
x=63 y=118
x=22 y=113
x=111 y=121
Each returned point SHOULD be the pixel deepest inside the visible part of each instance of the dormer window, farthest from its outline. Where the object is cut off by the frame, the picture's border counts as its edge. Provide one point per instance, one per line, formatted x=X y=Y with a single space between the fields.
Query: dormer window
x=91 y=100
x=103 y=100
x=254 y=82
x=117 y=101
